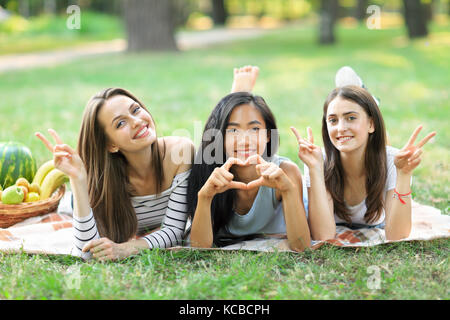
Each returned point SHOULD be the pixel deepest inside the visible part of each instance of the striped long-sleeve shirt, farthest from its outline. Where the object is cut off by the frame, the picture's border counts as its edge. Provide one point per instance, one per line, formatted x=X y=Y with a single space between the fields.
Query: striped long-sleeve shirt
x=167 y=210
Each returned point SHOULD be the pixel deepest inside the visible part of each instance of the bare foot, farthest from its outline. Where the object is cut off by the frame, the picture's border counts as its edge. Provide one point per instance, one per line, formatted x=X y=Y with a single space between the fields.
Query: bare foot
x=244 y=79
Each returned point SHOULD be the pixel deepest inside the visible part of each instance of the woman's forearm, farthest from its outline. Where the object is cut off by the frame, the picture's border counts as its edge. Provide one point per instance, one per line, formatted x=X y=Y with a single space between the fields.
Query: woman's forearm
x=201 y=231
x=321 y=218
x=80 y=197
x=296 y=224
x=398 y=219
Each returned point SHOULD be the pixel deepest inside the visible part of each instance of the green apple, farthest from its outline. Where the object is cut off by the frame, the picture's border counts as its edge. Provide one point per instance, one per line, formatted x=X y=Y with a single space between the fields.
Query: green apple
x=12 y=195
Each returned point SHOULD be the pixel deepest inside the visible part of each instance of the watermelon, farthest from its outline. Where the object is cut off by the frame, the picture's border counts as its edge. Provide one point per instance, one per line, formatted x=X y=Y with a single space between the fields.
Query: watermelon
x=16 y=161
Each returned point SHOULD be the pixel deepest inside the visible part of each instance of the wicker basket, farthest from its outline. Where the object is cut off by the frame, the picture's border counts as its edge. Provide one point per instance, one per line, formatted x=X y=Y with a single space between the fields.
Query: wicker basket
x=11 y=214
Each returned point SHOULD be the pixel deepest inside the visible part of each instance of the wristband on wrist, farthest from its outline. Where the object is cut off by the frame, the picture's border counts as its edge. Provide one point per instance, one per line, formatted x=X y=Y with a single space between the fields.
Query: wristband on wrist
x=400 y=196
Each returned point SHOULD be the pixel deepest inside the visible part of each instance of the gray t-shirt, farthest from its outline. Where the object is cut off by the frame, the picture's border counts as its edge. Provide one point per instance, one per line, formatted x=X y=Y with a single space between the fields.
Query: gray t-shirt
x=266 y=215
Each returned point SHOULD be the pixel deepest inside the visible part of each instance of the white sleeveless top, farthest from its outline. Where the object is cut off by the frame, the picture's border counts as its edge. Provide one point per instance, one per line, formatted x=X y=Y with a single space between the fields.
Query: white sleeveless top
x=358 y=211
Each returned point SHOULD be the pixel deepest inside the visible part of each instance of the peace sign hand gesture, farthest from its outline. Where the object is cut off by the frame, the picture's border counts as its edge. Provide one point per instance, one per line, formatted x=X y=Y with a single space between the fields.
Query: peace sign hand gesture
x=409 y=157
x=308 y=152
x=221 y=179
x=64 y=157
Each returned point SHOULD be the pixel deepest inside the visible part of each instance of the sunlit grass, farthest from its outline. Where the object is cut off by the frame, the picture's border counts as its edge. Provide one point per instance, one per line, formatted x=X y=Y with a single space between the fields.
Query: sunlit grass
x=406 y=271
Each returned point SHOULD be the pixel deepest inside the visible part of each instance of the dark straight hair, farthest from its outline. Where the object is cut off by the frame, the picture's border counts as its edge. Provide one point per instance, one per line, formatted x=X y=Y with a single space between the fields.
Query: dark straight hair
x=374 y=159
x=213 y=140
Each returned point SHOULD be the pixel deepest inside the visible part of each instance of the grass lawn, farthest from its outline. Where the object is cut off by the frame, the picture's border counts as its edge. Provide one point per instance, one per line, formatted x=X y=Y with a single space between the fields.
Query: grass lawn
x=180 y=89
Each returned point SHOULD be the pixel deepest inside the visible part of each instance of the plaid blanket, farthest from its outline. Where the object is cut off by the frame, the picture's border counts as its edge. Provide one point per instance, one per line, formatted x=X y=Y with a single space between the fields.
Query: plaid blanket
x=52 y=234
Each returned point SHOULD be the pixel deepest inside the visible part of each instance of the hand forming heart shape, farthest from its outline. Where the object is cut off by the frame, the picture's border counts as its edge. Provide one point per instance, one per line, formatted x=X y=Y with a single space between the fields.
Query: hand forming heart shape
x=250 y=161
x=221 y=178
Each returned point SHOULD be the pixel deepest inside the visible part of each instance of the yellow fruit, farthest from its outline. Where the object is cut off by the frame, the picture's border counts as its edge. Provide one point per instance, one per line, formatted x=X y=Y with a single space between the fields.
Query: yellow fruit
x=34 y=187
x=1 y=195
x=32 y=196
x=25 y=192
x=23 y=182
x=51 y=182
x=43 y=171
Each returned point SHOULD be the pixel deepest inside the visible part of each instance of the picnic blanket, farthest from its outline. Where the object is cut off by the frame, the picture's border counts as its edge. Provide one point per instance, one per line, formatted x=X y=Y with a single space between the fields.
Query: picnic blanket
x=52 y=234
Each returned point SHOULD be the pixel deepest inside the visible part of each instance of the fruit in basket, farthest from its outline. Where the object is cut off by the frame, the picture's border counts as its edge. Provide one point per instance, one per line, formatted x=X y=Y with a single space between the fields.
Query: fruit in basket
x=12 y=195
x=23 y=182
x=32 y=197
x=16 y=160
x=52 y=181
x=25 y=192
x=43 y=170
x=34 y=187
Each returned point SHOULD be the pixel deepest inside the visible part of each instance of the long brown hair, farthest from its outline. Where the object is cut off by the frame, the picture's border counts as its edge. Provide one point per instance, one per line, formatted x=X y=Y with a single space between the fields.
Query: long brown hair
x=374 y=160
x=109 y=187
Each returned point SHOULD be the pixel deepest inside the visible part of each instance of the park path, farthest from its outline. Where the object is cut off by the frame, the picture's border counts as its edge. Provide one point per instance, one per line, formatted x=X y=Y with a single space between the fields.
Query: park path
x=186 y=40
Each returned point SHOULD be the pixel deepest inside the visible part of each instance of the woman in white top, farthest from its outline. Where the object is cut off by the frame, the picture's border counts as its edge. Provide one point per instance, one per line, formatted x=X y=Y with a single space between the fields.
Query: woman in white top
x=359 y=181
x=125 y=179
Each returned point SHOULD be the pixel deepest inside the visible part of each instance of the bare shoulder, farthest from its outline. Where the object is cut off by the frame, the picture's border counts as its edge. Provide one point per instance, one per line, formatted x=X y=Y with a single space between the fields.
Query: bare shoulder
x=179 y=153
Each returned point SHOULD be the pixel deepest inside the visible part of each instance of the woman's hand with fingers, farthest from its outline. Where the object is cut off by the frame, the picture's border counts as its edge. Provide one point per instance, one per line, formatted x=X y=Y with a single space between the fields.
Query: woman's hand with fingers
x=65 y=158
x=308 y=152
x=271 y=175
x=104 y=249
x=409 y=157
x=221 y=180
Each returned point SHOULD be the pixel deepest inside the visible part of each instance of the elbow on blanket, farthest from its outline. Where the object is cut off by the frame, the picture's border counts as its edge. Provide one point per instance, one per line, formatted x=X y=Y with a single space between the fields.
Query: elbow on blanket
x=393 y=233
x=200 y=244
x=300 y=244
x=390 y=236
x=324 y=234
x=78 y=253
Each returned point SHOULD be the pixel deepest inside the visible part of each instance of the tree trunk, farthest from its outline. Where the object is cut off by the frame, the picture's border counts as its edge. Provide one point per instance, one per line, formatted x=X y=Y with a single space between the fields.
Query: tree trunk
x=62 y=5
x=428 y=7
x=360 y=10
x=219 y=14
x=415 y=18
x=328 y=15
x=149 y=25
x=24 y=8
x=50 y=6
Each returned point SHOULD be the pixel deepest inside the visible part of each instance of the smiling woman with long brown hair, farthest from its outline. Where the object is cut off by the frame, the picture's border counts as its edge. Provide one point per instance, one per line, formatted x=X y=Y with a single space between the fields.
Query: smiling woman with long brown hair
x=357 y=180
x=124 y=178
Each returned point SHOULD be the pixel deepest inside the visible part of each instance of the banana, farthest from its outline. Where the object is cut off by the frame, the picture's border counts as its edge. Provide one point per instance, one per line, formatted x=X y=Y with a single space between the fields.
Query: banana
x=52 y=181
x=43 y=171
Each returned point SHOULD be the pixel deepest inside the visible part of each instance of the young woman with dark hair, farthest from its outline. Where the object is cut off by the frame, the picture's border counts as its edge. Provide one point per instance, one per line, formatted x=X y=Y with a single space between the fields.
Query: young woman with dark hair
x=239 y=187
x=357 y=181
